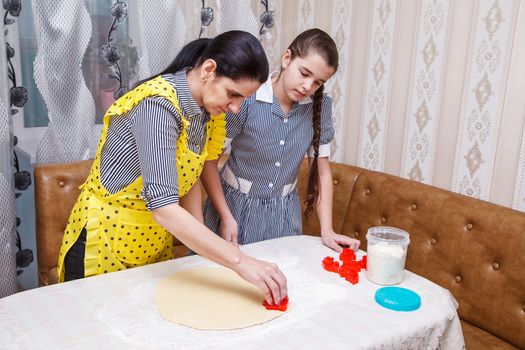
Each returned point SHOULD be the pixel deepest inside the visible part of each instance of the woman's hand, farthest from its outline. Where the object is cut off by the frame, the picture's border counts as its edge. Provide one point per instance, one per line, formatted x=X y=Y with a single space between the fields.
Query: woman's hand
x=266 y=276
x=228 y=230
x=337 y=241
x=193 y=234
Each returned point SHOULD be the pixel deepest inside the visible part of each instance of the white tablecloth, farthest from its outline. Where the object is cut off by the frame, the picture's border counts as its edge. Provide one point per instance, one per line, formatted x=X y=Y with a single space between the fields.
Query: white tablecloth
x=117 y=311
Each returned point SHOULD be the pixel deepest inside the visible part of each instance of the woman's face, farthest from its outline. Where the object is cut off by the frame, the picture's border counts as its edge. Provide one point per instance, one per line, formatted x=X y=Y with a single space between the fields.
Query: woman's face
x=302 y=76
x=222 y=94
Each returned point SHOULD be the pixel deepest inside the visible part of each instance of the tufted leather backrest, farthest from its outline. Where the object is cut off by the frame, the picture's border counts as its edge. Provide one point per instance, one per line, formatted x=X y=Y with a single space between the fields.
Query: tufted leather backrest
x=344 y=179
x=471 y=247
x=56 y=191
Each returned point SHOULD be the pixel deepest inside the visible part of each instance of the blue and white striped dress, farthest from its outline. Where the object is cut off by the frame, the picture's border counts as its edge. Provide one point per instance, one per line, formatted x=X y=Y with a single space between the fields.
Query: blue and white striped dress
x=259 y=179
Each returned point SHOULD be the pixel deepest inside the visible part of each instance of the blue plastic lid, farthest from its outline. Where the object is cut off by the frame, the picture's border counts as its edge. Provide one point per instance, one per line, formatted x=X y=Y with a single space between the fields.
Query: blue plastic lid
x=398 y=299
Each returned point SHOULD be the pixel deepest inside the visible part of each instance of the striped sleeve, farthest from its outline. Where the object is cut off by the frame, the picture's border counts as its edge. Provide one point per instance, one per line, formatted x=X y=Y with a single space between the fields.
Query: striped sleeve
x=156 y=126
x=327 y=129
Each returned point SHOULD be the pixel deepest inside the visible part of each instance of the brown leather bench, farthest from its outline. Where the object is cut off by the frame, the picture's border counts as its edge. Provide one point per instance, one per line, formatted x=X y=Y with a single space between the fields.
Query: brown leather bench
x=473 y=248
x=56 y=191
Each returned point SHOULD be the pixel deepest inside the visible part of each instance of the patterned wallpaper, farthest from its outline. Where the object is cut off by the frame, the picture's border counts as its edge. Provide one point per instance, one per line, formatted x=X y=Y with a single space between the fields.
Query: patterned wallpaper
x=430 y=90
x=424 y=101
x=484 y=95
x=375 y=114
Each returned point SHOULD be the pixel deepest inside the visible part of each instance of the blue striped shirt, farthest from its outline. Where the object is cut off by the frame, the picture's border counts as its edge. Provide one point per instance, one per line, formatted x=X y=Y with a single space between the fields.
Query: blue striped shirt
x=267 y=146
x=143 y=142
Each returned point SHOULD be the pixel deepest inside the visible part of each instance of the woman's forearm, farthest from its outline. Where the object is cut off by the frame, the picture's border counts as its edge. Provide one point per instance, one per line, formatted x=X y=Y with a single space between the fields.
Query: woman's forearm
x=196 y=236
x=266 y=276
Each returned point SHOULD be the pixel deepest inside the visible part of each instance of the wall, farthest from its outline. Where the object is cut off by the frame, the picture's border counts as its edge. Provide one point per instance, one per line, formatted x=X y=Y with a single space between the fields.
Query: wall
x=430 y=90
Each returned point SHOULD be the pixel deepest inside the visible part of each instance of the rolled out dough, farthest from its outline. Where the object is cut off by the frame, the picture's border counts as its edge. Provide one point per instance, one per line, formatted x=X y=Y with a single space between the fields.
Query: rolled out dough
x=211 y=299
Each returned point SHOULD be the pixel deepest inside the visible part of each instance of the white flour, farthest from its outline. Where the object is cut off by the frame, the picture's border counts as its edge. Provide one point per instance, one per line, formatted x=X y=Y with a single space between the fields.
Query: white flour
x=138 y=324
x=385 y=263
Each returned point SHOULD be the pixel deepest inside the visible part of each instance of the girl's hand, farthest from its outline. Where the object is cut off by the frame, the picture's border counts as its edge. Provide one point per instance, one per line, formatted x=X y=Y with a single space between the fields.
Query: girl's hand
x=264 y=275
x=337 y=241
x=228 y=230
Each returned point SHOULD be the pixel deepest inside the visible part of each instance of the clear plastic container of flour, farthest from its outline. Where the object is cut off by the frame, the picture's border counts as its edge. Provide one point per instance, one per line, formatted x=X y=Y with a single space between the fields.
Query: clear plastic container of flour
x=386 y=254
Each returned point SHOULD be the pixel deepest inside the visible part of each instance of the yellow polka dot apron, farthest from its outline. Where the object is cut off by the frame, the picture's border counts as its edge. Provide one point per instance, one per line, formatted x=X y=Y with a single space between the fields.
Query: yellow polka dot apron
x=121 y=232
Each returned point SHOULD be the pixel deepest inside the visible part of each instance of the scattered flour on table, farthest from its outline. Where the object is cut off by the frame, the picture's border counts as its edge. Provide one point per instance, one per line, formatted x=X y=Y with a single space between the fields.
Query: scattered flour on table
x=135 y=320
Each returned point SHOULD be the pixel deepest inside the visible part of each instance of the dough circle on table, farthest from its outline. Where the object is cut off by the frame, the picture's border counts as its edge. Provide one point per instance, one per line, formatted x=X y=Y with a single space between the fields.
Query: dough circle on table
x=211 y=299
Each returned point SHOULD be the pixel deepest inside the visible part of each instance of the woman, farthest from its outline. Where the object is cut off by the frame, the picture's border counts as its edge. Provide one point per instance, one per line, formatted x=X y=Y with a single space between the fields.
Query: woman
x=255 y=197
x=153 y=146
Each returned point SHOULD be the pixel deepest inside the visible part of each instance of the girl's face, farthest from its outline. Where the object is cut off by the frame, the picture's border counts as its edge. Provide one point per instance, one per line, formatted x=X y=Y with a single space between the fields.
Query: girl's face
x=302 y=76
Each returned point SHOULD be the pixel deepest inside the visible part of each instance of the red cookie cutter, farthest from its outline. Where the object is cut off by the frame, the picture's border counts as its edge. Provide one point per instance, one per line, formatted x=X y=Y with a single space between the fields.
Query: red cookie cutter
x=281 y=307
x=330 y=265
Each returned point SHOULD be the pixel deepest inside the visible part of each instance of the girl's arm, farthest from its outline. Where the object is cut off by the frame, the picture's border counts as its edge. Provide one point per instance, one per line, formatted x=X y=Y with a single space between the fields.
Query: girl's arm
x=324 y=210
x=192 y=201
x=266 y=276
x=211 y=179
x=212 y=184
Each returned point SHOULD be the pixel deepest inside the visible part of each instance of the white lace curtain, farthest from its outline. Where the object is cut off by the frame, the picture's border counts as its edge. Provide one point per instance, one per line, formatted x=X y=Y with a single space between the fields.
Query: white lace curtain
x=7 y=198
x=71 y=59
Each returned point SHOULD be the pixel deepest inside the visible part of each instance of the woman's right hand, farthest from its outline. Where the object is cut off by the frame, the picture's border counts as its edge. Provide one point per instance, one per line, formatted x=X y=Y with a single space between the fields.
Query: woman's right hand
x=228 y=230
x=266 y=276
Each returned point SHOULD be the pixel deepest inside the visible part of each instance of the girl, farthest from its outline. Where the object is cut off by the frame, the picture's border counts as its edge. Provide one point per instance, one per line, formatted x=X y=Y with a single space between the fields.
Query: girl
x=152 y=149
x=287 y=117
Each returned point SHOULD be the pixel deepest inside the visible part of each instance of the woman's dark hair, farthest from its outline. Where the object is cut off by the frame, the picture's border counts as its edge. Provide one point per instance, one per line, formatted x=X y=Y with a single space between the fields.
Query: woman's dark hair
x=315 y=41
x=238 y=54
